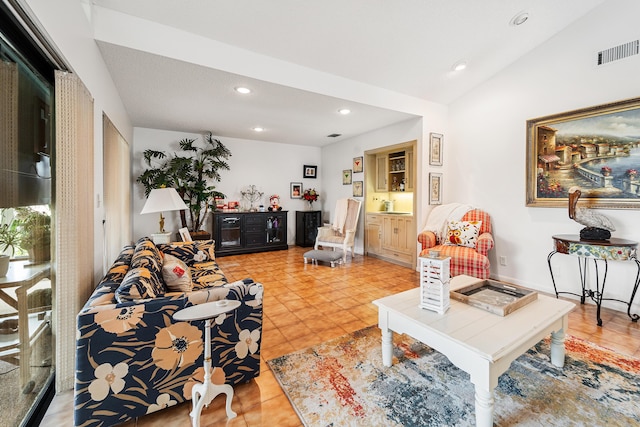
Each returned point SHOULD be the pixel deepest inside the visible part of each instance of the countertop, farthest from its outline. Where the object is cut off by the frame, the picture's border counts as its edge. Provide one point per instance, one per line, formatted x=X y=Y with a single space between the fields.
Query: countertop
x=390 y=213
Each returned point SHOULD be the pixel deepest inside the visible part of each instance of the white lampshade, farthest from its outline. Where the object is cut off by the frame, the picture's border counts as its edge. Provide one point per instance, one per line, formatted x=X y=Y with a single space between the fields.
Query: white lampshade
x=163 y=199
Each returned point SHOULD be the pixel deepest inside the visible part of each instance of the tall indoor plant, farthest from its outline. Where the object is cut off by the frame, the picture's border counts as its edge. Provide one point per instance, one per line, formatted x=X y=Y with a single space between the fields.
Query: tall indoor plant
x=9 y=232
x=191 y=175
x=35 y=235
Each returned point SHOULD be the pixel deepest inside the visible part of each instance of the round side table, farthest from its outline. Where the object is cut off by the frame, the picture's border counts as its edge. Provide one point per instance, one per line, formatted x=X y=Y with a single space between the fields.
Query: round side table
x=203 y=394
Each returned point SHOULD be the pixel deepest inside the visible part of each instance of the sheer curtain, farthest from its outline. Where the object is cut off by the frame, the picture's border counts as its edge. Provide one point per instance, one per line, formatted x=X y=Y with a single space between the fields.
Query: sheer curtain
x=73 y=216
x=8 y=134
x=117 y=193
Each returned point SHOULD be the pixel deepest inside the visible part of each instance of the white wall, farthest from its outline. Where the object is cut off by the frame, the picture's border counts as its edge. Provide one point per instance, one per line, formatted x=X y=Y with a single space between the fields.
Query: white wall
x=487 y=141
x=271 y=167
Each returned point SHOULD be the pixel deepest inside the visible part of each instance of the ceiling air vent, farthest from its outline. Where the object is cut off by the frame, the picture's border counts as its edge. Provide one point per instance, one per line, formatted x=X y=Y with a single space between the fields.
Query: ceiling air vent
x=334 y=135
x=619 y=52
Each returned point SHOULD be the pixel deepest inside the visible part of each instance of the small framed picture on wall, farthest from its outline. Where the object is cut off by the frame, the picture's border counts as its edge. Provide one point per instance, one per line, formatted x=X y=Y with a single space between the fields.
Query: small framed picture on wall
x=357 y=164
x=435 y=188
x=346 y=177
x=435 y=149
x=296 y=190
x=357 y=188
x=309 y=171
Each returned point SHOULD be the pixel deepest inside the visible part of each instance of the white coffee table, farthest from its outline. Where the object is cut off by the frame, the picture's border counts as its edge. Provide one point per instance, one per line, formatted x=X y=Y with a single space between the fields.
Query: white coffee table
x=478 y=342
x=203 y=394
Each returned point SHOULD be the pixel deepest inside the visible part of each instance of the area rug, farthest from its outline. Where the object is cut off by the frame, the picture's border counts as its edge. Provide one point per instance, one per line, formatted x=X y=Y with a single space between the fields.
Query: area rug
x=342 y=382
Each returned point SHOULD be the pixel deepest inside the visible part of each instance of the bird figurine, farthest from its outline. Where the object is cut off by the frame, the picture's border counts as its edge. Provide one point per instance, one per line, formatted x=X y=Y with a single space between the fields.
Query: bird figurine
x=598 y=226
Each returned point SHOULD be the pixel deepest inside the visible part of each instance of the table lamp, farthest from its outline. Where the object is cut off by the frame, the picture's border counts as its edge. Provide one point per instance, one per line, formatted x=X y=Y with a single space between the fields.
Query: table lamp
x=161 y=200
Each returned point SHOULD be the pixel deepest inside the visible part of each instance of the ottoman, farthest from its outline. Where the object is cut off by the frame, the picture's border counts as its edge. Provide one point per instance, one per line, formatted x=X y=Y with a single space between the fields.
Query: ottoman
x=332 y=257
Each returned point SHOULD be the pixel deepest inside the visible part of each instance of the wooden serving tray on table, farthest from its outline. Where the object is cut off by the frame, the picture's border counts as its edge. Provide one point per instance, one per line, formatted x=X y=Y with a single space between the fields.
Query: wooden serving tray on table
x=493 y=296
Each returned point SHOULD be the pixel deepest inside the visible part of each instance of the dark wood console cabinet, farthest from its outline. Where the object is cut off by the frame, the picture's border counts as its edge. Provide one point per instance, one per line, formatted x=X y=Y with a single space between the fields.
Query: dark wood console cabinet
x=307 y=223
x=246 y=232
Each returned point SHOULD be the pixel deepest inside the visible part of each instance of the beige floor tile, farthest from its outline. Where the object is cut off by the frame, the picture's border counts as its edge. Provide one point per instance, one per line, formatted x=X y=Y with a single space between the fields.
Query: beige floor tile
x=274 y=412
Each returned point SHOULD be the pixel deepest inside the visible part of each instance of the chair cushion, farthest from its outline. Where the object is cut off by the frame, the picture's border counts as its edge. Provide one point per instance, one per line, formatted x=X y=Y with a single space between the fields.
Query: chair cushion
x=462 y=233
x=326 y=256
x=463 y=260
x=332 y=239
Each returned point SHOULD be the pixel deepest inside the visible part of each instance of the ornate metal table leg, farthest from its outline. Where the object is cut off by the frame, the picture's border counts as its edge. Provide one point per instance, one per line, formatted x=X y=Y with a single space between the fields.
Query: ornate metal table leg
x=583 y=279
x=634 y=317
x=599 y=293
x=553 y=280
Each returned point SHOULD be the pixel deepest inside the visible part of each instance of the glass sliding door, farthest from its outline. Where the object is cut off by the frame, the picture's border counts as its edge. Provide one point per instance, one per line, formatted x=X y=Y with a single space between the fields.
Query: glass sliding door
x=26 y=149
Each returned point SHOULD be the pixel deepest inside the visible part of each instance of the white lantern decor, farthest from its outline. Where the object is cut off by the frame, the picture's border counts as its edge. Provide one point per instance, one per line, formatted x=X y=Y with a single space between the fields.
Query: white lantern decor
x=434 y=283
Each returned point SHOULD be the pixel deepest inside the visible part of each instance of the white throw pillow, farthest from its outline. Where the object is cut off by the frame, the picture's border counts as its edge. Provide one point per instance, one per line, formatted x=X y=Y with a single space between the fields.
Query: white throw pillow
x=176 y=274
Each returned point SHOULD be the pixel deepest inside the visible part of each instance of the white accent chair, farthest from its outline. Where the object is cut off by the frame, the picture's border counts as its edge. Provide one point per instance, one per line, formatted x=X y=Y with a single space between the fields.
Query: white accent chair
x=341 y=233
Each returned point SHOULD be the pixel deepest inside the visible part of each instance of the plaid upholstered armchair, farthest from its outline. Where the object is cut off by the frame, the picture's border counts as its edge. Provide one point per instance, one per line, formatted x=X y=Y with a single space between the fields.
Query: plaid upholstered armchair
x=466 y=241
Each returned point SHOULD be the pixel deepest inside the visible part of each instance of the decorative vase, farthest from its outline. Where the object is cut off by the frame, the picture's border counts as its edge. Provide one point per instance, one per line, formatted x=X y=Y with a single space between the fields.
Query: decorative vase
x=310 y=205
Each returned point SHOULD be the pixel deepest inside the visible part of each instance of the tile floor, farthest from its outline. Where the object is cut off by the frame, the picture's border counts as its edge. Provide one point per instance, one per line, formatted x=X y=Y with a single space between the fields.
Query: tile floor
x=305 y=305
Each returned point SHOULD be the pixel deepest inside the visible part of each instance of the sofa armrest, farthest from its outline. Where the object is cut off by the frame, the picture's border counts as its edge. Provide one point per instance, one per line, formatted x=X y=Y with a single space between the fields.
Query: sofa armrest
x=427 y=239
x=485 y=243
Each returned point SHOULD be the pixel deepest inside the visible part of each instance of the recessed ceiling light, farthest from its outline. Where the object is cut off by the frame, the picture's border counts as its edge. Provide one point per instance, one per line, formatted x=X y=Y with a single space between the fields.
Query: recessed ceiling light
x=459 y=66
x=243 y=90
x=344 y=111
x=258 y=129
x=519 y=19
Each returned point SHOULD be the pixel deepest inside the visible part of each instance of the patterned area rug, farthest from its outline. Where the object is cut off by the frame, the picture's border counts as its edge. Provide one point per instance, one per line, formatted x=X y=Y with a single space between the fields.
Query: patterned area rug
x=343 y=383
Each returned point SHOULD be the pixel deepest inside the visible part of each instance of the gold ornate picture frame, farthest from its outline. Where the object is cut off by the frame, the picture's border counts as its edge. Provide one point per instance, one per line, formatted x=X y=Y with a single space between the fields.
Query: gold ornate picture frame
x=595 y=148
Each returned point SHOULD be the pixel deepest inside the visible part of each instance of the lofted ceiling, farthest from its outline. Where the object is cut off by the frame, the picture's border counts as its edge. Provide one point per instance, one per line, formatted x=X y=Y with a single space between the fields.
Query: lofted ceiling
x=403 y=47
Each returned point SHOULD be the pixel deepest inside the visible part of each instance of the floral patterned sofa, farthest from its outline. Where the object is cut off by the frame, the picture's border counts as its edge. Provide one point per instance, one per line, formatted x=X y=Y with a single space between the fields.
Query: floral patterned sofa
x=132 y=358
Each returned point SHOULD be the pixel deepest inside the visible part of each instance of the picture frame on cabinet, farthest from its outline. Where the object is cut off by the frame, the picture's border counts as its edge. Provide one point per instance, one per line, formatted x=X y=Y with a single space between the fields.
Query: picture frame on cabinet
x=435 y=149
x=346 y=177
x=595 y=148
x=357 y=188
x=185 y=235
x=310 y=171
x=358 y=164
x=295 y=191
x=435 y=188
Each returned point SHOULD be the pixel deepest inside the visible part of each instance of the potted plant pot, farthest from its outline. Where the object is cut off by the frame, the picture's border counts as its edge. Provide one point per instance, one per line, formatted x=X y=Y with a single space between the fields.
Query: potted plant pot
x=4 y=265
x=36 y=234
x=40 y=253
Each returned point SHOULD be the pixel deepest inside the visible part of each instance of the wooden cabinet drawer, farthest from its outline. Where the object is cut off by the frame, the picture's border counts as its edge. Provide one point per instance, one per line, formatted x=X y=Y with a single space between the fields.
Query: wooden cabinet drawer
x=254 y=239
x=254 y=228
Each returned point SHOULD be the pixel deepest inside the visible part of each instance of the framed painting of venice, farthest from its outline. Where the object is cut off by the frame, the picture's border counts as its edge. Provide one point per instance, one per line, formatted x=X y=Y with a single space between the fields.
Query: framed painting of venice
x=596 y=149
